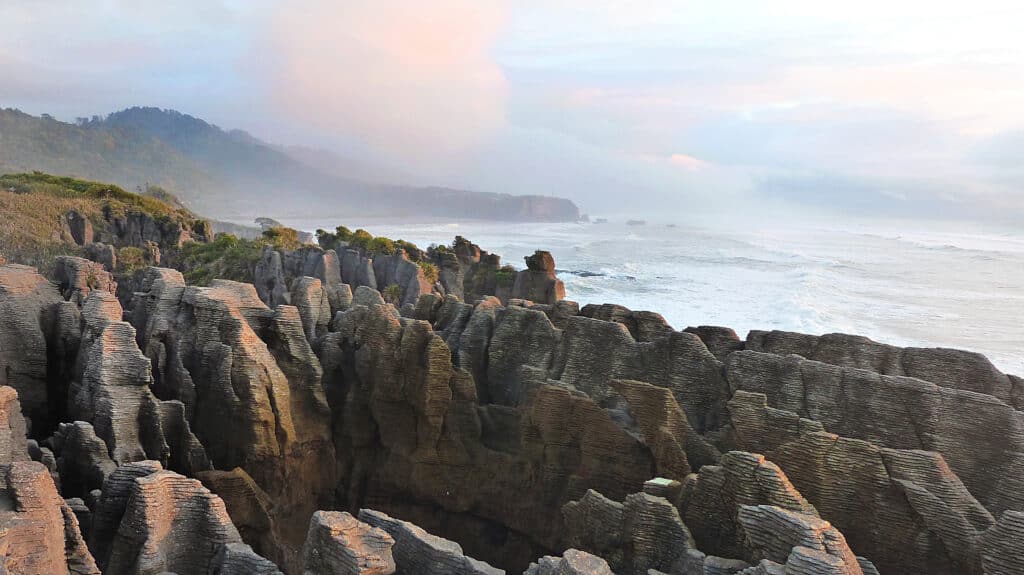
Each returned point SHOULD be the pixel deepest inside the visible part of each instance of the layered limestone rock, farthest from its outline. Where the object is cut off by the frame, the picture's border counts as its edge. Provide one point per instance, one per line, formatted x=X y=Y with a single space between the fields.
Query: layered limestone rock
x=400 y=400
x=251 y=511
x=537 y=282
x=250 y=386
x=13 y=446
x=139 y=535
x=339 y=544
x=38 y=530
x=805 y=544
x=953 y=368
x=417 y=552
x=572 y=562
x=642 y=325
x=904 y=509
x=27 y=303
x=721 y=341
x=641 y=534
x=1001 y=546
x=712 y=500
x=83 y=461
x=981 y=437
x=113 y=390
x=78 y=277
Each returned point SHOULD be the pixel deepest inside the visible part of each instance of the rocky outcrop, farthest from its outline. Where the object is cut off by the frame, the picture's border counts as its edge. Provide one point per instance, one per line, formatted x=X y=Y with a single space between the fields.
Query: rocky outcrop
x=27 y=302
x=981 y=437
x=78 y=277
x=643 y=533
x=642 y=325
x=720 y=341
x=572 y=562
x=250 y=386
x=417 y=552
x=952 y=368
x=903 y=509
x=537 y=282
x=713 y=498
x=339 y=544
x=803 y=543
x=13 y=445
x=196 y=537
x=38 y=531
x=497 y=423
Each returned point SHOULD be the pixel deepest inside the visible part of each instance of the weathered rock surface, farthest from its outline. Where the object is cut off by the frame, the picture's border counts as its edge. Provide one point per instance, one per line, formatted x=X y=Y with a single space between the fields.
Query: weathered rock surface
x=981 y=437
x=339 y=544
x=572 y=562
x=643 y=533
x=805 y=544
x=13 y=444
x=537 y=282
x=417 y=552
x=166 y=522
x=38 y=530
x=642 y=325
x=953 y=368
x=903 y=509
x=78 y=277
x=27 y=301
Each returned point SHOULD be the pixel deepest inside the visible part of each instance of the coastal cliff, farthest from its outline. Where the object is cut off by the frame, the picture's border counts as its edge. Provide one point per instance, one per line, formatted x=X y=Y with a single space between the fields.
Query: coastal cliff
x=367 y=408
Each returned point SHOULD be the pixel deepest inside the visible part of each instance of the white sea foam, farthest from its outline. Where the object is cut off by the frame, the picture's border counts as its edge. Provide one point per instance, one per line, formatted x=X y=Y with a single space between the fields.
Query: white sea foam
x=950 y=288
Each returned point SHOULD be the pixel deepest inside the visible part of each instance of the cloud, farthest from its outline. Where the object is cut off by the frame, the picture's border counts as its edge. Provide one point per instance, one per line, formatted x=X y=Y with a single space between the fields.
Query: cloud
x=412 y=78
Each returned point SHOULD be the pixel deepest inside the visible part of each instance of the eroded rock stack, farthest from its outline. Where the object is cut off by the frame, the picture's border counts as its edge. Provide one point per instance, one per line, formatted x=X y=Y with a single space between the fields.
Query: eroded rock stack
x=202 y=430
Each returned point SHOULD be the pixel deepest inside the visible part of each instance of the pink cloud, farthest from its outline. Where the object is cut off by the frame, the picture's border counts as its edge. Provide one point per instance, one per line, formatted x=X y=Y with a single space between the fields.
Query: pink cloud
x=687 y=162
x=407 y=77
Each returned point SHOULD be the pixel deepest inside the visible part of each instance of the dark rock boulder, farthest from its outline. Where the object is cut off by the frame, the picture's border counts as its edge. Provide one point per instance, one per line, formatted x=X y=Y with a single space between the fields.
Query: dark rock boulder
x=538 y=282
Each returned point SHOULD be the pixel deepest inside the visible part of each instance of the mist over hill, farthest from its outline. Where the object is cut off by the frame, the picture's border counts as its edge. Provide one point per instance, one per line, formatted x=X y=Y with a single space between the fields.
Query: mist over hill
x=232 y=174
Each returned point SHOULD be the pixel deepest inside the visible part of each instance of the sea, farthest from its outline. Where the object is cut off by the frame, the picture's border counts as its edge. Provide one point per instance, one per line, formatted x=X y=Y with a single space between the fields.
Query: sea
x=923 y=285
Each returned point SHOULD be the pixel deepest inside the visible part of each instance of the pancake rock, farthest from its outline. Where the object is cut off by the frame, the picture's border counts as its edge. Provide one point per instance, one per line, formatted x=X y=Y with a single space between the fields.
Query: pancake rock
x=417 y=552
x=572 y=562
x=196 y=537
x=903 y=509
x=339 y=544
x=643 y=533
x=953 y=368
x=39 y=532
x=981 y=437
x=537 y=282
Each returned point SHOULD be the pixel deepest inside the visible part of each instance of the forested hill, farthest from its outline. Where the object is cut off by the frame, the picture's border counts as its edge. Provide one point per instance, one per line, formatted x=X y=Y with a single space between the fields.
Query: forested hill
x=226 y=174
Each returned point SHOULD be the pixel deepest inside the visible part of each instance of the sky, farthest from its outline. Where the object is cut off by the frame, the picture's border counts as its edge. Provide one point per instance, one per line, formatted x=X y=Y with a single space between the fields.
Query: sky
x=907 y=109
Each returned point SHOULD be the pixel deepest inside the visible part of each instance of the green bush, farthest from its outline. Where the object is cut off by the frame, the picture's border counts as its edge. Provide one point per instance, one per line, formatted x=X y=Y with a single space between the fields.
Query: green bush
x=282 y=238
x=227 y=257
x=392 y=294
x=505 y=277
x=382 y=246
x=429 y=271
x=130 y=259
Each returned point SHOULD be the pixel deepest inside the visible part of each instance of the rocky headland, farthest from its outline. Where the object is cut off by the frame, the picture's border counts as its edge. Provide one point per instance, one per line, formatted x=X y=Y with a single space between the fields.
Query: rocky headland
x=374 y=408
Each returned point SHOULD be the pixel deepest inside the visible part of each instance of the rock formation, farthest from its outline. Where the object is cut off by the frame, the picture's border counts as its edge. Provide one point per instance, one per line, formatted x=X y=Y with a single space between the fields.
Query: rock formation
x=237 y=428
